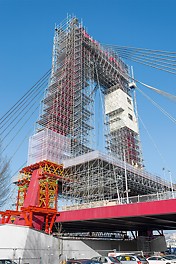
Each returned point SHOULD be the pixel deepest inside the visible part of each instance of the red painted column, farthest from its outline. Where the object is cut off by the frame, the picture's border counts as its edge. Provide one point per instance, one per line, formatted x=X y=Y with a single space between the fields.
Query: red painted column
x=31 y=198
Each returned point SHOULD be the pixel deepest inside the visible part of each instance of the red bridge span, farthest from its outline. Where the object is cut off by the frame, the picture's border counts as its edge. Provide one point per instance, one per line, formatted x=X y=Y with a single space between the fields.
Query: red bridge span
x=140 y=216
x=153 y=215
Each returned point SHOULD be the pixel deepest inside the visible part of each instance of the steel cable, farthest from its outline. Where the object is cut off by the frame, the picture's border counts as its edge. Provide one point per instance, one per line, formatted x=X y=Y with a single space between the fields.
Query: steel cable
x=144 y=50
x=163 y=62
x=26 y=107
x=25 y=103
x=19 y=129
x=158 y=106
x=152 y=58
x=26 y=95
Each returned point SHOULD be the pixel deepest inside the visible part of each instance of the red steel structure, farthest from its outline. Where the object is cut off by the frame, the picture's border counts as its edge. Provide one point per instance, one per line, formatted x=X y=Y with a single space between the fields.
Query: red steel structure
x=37 y=196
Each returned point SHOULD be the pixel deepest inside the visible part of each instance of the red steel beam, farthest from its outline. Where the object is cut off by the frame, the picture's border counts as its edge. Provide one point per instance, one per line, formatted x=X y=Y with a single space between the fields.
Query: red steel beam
x=162 y=207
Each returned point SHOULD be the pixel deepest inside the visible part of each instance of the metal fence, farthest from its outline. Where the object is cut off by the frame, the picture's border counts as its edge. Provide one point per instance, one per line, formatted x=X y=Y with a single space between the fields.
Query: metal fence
x=29 y=256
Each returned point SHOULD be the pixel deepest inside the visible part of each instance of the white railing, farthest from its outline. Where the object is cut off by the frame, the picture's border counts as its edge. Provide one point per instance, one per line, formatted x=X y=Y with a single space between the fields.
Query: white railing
x=133 y=199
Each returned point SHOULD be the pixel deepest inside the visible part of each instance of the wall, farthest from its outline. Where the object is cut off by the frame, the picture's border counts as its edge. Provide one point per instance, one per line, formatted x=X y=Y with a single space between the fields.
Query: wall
x=35 y=247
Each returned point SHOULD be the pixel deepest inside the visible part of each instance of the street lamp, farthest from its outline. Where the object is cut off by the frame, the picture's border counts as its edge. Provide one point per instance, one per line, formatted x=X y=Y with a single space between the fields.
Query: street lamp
x=126 y=178
x=172 y=189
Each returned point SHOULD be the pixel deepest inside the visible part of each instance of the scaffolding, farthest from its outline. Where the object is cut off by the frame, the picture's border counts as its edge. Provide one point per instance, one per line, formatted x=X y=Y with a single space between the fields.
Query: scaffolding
x=48 y=145
x=98 y=177
x=74 y=119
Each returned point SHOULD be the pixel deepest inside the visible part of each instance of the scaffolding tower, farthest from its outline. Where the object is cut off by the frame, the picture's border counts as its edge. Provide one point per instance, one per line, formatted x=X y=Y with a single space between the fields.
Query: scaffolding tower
x=88 y=107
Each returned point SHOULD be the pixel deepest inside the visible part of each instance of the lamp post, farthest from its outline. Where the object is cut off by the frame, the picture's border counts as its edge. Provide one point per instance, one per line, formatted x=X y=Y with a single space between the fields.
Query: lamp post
x=126 y=179
x=171 y=183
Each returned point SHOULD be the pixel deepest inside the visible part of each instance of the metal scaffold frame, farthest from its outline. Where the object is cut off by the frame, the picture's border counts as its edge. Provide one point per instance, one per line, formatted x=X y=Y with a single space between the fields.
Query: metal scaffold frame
x=87 y=180
x=73 y=115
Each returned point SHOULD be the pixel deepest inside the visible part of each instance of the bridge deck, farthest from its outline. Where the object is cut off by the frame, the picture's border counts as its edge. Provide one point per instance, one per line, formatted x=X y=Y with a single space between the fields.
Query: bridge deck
x=153 y=215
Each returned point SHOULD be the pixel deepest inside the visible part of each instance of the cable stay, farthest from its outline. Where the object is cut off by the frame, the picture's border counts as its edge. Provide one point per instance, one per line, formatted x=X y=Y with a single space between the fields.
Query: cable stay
x=22 y=109
x=141 y=55
x=168 y=95
x=19 y=129
x=172 y=97
x=150 y=61
x=153 y=142
x=24 y=98
x=158 y=59
x=158 y=106
x=164 y=52
x=150 y=58
x=154 y=65
x=20 y=143
x=25 y=110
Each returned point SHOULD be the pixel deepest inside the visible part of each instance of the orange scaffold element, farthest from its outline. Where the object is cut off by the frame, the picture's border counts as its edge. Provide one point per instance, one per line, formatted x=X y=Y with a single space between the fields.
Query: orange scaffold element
x=37 y=196
x=47 y=177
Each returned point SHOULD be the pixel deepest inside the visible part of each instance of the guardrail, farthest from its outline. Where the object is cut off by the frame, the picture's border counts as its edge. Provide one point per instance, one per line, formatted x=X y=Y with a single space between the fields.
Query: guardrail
x=134 y=199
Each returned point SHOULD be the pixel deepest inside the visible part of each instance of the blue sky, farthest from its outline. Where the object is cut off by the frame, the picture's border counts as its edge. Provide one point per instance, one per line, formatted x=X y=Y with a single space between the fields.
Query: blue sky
x=26 y=38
